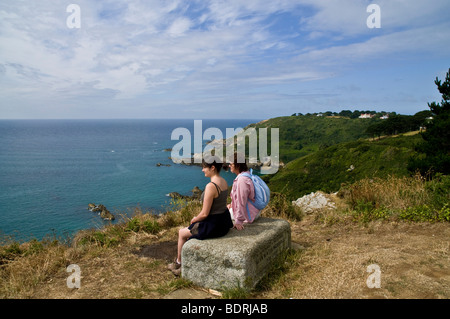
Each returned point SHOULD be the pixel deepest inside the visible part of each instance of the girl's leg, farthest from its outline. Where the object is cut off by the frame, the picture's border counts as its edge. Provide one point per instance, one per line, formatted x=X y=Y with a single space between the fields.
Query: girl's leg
x=183 y=236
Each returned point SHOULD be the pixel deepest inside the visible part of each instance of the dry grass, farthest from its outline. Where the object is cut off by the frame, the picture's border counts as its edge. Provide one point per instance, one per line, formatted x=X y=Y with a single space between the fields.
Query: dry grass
x=392 y=192
x=405 y=198
x=110 y=267
x=20 y=276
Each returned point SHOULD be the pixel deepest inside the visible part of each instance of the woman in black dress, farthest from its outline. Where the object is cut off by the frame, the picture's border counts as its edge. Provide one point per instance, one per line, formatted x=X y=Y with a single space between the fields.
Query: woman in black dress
x=214 y=219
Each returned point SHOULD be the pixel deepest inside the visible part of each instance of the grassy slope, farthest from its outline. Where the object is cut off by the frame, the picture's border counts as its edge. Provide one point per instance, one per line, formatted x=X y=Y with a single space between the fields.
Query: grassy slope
x=328 y=168
x=303 y=135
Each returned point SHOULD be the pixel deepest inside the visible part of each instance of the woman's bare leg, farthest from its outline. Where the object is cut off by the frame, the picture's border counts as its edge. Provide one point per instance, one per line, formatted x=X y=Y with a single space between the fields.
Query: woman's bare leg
x=183 y=236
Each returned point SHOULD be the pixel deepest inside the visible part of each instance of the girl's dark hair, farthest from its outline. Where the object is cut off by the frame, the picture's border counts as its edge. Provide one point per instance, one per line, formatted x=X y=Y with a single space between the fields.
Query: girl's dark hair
x=240 y=166
x=214 y=161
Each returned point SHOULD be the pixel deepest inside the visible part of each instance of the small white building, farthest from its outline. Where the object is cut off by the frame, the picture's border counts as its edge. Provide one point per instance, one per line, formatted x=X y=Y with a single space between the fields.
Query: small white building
x=365 y=116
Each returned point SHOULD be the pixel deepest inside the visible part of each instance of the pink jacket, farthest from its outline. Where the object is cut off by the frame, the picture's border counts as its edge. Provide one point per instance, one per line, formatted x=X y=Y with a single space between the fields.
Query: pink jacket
x=241 y=192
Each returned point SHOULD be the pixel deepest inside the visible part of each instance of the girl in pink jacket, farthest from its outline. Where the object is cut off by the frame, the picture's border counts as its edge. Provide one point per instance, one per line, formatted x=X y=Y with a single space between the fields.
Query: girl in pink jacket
x=242 y=195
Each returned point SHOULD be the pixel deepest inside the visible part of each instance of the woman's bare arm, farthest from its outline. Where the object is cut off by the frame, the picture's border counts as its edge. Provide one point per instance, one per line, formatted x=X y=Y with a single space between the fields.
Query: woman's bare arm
x=208 y=198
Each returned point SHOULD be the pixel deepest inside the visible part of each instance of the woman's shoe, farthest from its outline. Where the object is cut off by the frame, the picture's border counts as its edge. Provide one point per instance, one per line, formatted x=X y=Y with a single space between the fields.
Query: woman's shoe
x=175 y=268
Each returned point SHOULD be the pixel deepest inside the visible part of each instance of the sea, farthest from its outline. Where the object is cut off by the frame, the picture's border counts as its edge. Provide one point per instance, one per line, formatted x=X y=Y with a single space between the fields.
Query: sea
x=50 y=170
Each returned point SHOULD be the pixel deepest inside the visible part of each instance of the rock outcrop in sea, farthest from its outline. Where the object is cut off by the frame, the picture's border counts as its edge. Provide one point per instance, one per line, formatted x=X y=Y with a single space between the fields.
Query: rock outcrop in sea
x=103 y=212
x=196 y=194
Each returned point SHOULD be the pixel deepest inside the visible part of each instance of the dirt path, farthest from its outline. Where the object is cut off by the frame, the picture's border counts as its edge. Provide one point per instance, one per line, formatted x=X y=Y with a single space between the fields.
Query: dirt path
x=413 y=261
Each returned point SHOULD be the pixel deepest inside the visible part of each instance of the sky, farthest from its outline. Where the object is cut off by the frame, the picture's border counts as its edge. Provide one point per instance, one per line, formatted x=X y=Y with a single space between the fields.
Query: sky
x=204 y=59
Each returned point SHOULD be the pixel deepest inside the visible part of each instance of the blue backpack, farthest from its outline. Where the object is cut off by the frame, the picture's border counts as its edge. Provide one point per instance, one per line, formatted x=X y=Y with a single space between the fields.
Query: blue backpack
x=262 y=191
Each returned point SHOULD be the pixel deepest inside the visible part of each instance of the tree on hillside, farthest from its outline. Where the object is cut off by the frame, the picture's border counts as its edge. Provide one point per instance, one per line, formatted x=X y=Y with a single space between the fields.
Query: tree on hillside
x=398 y=124
x=355 y=114
x=435 y=148
x=420 y=118
x=346 y=113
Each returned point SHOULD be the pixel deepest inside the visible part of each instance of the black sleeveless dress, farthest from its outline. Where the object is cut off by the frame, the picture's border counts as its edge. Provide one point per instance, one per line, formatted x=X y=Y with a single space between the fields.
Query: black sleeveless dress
x=218 y=222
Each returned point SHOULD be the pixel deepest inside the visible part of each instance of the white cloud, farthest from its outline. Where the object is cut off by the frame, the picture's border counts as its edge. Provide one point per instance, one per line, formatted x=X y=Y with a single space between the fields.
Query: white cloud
x=179 y=27
x=138 y=49
x=349 y=17
x=384 y=47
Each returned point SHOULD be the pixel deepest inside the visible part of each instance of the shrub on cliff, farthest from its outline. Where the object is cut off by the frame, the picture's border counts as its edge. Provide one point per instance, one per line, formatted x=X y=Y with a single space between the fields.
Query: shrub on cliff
x=435 y=148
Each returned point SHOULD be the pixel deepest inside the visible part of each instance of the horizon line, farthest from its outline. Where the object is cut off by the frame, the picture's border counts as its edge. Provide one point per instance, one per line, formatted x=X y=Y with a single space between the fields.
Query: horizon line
x=110 y=119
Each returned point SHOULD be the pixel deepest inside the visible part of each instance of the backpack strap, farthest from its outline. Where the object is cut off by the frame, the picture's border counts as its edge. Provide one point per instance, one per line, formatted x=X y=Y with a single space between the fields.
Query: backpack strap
x=246 y=175
x=249 y=176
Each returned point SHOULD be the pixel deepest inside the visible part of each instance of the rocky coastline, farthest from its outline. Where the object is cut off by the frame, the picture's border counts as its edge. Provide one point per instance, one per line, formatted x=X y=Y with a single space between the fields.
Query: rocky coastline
x=196 y=194
x=195 y=159
x=102 y=211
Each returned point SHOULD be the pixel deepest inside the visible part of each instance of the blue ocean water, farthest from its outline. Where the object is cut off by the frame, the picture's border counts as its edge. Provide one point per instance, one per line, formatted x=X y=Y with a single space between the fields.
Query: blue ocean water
x=50 y=170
